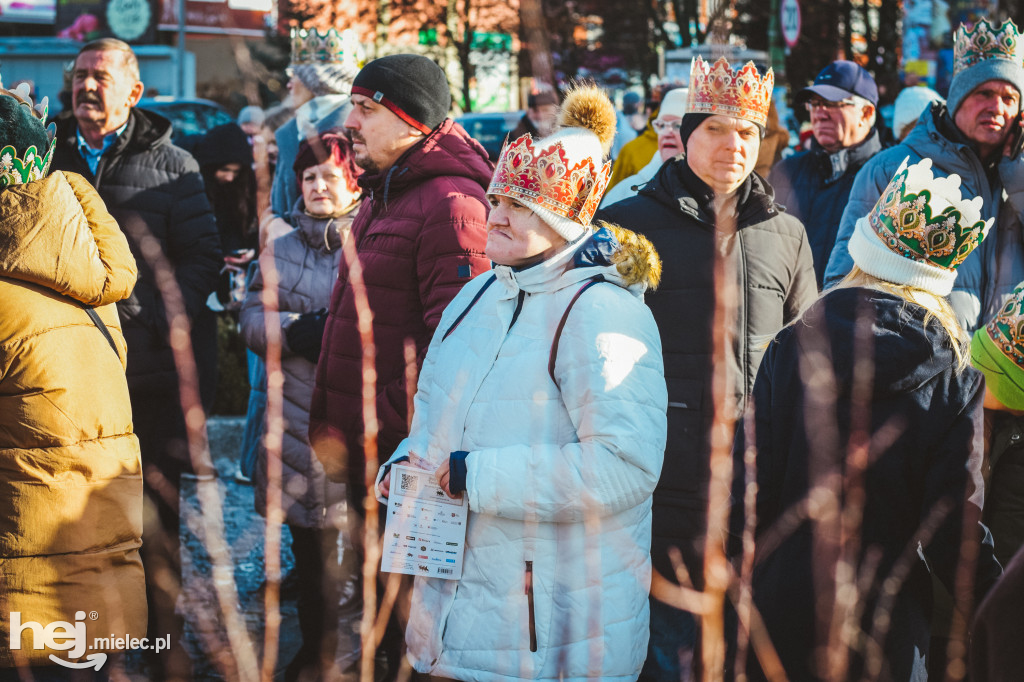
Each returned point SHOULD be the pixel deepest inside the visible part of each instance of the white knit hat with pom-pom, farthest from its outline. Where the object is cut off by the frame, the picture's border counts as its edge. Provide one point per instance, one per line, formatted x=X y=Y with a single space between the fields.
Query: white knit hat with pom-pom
x=562 y=177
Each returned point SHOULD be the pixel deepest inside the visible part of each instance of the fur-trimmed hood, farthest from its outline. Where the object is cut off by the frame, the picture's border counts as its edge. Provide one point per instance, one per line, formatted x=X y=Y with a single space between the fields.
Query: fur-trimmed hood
x=616 y=254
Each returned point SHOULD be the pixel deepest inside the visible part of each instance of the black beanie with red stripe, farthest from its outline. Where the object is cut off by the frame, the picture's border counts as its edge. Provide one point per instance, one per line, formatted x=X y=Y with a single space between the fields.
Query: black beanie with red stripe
x=411 y=86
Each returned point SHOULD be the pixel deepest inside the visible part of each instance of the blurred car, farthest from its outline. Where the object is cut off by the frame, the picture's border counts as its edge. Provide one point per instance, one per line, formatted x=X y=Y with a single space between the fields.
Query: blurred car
x=490 y=129
x=189 y=117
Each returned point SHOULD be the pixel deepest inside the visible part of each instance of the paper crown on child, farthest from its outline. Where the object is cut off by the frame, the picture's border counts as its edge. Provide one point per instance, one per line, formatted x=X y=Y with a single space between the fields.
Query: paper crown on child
x=27 y=142
x=717 y=89
x=997 y=349
x=920 y=230
x=562 y=177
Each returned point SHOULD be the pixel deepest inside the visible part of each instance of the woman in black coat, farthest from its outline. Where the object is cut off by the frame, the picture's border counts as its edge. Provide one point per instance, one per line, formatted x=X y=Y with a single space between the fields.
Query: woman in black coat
x=867 y=424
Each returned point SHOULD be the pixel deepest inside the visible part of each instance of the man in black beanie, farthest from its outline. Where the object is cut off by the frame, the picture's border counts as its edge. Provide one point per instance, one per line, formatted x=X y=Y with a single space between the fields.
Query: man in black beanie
x=420 y=236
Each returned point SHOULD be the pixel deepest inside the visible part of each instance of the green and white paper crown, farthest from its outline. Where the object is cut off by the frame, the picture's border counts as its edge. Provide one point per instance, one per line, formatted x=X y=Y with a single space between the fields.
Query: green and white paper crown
x=997 y=349
x=983 y=42
x=920 y=230
x=33 y=164
x=310 y=46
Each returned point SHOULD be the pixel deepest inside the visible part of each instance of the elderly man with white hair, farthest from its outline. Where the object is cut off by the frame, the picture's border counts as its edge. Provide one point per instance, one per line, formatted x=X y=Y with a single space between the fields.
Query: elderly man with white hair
x=673 y=107
x=814 y=185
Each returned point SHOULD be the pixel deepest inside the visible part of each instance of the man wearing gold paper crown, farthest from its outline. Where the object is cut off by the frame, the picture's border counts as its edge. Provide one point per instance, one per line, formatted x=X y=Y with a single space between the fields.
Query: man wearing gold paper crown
x=321 y=72
x=891 y=456
x=972 y=135
x=70 y=475
x=155 y=191
x=697 y=206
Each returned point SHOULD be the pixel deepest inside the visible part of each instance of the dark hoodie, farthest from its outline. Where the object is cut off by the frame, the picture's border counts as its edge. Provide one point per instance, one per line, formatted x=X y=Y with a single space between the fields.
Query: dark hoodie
x=420 y=235
x=924 y=428
x=153 y=189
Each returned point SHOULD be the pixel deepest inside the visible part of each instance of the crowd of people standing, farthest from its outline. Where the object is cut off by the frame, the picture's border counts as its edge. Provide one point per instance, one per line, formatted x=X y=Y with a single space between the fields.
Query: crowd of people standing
x=623 y=370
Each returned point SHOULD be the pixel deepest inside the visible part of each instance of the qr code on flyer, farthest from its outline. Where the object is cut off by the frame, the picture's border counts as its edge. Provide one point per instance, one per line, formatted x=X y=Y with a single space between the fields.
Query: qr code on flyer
x=409 y=483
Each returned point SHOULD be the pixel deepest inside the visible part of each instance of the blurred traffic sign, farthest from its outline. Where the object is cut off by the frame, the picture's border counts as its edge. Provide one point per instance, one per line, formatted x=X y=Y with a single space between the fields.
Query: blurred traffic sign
x=790 y=16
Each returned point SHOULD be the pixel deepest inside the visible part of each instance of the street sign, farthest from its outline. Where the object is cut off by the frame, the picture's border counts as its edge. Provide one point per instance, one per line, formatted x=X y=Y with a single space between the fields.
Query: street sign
x=790 y=19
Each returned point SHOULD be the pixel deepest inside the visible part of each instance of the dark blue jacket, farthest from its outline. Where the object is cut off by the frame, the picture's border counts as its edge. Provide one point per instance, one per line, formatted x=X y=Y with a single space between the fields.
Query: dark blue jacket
x=814 y=185
x=923 y=426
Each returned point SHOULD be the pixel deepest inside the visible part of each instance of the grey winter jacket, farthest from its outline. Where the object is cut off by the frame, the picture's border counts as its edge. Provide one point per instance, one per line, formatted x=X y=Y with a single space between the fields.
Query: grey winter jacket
x=990 y=273
x=307 y=261
x=775 y=282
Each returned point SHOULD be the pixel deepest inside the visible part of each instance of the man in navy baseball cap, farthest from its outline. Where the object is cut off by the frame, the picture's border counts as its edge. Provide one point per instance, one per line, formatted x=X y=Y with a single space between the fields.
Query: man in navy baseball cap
x=815 y=185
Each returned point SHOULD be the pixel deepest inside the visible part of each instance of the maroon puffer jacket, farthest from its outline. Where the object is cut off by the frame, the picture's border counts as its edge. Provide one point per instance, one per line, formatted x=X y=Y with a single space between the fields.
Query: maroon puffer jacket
x=420 y=235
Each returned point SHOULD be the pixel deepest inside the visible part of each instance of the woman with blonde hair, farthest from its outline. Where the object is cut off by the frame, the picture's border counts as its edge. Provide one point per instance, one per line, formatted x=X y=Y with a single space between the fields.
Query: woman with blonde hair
x=867 y=423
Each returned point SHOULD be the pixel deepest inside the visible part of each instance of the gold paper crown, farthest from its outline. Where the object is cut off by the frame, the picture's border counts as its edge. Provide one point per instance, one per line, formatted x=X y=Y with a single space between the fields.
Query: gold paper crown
x=33 y=164
x=924 y=218
x=982 y=42
x=310 y=46
x=717 y=90
x=545 y=178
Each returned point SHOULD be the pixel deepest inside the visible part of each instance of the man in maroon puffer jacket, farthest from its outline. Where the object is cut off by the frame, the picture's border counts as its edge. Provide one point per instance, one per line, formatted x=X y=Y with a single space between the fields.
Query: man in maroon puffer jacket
x=420 y=236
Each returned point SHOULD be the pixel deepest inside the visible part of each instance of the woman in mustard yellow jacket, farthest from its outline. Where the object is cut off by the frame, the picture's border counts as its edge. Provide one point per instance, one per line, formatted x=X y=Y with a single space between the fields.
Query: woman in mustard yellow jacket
x=71 y=581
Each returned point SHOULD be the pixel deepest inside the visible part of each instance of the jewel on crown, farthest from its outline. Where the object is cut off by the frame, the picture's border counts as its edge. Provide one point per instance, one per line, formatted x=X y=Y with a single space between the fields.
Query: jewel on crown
x=984 y=41
x=544 y=177
x=310 y=46
x=924 y=218
x=716 y=89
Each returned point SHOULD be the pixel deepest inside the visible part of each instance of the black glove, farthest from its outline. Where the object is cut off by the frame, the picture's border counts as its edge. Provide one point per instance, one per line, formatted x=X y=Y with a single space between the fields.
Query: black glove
x=306 y=333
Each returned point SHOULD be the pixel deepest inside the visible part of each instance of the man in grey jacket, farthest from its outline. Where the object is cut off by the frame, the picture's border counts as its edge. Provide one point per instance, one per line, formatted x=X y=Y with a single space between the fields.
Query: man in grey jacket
x=975 y=136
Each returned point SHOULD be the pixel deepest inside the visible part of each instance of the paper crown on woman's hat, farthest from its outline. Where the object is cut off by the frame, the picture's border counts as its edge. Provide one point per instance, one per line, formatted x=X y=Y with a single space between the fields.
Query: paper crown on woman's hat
x=920 y=230
x=717 y=89
x=997 y=349
x=562 y=177
x=27 y=142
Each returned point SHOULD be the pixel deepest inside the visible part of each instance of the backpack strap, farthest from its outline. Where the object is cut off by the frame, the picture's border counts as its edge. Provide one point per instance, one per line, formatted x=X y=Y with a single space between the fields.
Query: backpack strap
x=479 y=293
x=95 y=317
x=553 y=355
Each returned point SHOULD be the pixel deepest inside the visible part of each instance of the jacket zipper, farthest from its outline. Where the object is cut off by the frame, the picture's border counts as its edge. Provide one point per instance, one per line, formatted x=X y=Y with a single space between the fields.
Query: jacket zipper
x=529 y=606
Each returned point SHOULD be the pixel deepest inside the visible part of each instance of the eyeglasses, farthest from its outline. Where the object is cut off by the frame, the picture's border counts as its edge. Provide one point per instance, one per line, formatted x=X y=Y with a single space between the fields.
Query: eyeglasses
x=825 y=104
x=665 y=126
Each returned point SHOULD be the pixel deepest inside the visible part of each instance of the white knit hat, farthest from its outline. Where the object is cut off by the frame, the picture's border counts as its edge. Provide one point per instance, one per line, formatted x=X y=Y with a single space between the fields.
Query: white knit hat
x=562 y=177
x=920 y=230
x=674 y=103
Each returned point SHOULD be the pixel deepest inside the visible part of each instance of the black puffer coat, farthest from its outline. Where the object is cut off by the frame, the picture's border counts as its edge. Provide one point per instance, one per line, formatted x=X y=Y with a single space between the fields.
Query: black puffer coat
x=152 y=188
x=813 y=186
x=775 y=282
x=924 y=431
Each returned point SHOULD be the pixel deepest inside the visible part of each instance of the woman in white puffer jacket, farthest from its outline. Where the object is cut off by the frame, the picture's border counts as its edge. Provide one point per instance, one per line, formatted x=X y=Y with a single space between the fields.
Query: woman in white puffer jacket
x=542 y=399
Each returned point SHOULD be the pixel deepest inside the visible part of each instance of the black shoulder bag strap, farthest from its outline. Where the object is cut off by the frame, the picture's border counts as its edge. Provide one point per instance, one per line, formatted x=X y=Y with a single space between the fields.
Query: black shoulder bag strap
x=462 y=315
x=553 y=355
x=95 y=317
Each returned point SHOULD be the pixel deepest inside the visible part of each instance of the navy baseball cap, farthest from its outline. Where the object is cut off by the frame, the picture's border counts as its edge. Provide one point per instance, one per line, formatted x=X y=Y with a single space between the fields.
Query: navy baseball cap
x=839 y=80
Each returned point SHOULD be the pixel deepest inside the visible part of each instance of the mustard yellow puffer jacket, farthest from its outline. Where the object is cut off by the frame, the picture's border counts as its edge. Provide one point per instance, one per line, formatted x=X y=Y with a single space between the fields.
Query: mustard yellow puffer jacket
x=70 y=475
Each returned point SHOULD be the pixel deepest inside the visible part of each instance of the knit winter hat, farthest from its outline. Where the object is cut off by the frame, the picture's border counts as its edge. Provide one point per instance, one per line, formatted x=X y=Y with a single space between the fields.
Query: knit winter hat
x=561 y=177
x=997 y=349
x=919 y=231
x=982 y=53
x=674 y=103
x=27 y=145
x=324 y=62
x=909 y=105
x=413 y=87
x=223 y=144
